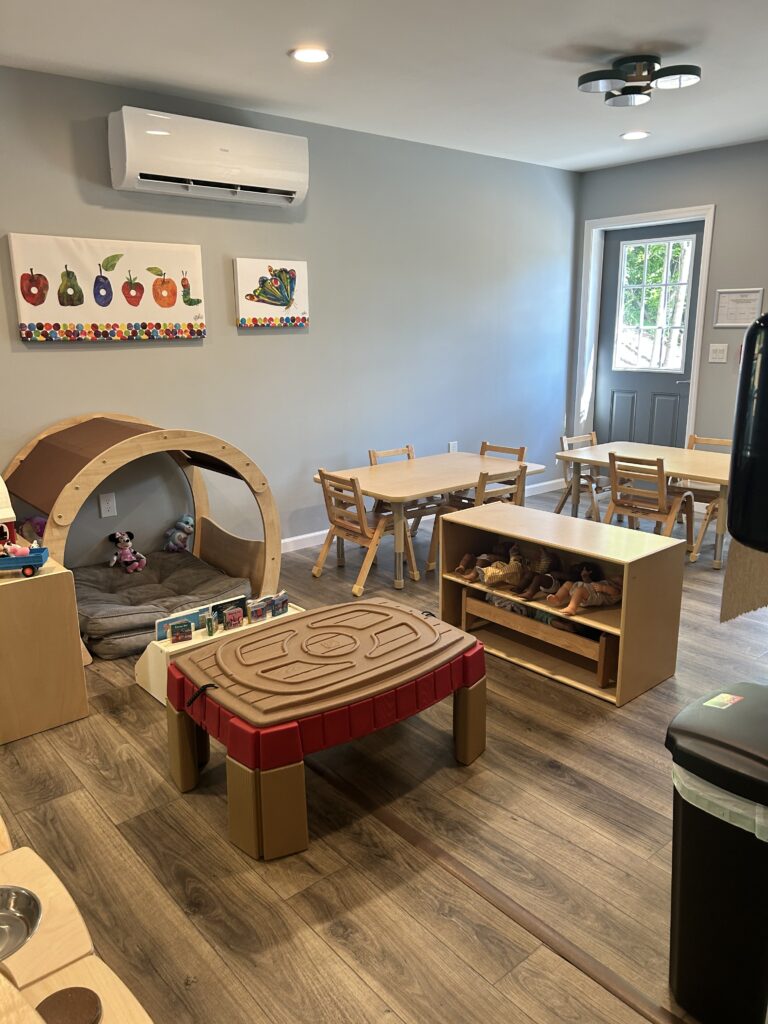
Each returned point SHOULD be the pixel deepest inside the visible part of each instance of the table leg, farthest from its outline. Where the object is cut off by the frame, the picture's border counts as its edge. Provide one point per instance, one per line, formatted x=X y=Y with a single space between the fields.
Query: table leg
x=722 y=519
x=469 y=722
x=267 y=809
x=398 y=514
x=340 y=559
x=183 y=759
x=575 y=489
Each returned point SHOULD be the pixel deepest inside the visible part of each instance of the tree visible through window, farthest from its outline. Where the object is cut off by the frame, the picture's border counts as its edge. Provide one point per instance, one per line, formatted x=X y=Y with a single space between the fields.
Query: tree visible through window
x=654 y=292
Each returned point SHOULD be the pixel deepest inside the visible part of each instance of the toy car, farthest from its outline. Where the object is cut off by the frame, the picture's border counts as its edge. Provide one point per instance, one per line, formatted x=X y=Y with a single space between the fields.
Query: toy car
x=28 y=565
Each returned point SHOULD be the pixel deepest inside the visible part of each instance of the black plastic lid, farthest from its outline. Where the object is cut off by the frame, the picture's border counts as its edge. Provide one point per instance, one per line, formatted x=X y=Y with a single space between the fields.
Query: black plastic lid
x=723 y=738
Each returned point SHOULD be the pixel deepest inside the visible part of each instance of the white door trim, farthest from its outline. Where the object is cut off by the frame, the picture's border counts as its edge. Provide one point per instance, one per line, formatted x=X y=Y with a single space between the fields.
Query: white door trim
x=583 y=412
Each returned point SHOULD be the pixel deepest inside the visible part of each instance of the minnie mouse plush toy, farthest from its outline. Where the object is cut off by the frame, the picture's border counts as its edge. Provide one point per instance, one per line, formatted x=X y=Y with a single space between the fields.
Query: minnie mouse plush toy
x=126 y=554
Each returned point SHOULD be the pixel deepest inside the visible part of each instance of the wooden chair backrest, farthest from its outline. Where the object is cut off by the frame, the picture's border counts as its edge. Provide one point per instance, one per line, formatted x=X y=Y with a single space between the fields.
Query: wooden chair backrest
x=374 y=457
x=567 y=444
x=639 y=484
x=697 y=441
x=344 y=503
x=514 y=493
x=501 y=449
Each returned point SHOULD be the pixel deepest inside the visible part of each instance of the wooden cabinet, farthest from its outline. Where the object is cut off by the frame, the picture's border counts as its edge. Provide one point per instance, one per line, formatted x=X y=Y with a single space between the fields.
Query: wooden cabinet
x=631 y=647
x=42 y=683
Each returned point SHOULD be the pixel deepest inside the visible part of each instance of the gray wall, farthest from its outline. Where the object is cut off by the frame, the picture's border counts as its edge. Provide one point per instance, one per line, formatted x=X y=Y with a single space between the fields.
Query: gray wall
x=440 y=295
x=736 y=181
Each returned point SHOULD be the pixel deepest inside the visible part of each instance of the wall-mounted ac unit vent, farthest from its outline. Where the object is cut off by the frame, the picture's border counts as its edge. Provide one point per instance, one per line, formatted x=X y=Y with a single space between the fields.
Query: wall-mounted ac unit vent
x=166 y=153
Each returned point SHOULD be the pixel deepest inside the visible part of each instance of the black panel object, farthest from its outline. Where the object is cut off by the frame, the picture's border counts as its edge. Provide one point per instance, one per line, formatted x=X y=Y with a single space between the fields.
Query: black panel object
x=748 y=489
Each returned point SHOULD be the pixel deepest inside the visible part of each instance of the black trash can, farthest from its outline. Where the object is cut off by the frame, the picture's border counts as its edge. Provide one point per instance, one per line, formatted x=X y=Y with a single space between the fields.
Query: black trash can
x=719 y=934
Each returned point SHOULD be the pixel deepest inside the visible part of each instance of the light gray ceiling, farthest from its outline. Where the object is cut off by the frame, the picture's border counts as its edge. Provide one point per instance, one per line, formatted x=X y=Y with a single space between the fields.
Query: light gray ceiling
x=489 y=76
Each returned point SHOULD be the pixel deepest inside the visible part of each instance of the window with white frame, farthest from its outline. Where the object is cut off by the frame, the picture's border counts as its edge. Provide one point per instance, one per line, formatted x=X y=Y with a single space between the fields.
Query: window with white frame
x=653 y=301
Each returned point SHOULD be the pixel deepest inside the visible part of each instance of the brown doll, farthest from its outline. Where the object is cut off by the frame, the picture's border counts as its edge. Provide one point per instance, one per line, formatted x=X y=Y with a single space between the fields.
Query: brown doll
x=547 y=574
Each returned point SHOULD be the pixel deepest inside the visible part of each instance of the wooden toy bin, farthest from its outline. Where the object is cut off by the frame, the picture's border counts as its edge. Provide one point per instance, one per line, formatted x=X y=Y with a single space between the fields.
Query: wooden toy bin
x=42 y=684
x=636 y=643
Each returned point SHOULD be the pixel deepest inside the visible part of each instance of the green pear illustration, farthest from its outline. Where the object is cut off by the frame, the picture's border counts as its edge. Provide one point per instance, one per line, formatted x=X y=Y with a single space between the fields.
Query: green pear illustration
x=70 y=292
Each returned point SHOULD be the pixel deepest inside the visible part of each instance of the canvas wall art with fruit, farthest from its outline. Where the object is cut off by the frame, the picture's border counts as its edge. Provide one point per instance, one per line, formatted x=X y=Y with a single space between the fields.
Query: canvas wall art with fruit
x=271 y=293
x=88 y=301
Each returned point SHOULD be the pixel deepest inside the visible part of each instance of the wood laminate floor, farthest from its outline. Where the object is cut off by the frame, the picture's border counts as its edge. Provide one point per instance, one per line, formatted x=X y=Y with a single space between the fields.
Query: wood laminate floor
x=405 y=908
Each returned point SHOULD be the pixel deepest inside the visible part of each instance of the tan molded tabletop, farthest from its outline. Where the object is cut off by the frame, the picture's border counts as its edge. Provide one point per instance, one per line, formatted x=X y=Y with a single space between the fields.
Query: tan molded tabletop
x=409 y=479
x=600 y=540
x=322 y=659
x=692 y=464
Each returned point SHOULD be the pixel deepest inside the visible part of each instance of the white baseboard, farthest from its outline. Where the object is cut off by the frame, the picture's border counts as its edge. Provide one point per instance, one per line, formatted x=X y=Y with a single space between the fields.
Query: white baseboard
x=313 y=540
x=545 y=485
x=303 y=540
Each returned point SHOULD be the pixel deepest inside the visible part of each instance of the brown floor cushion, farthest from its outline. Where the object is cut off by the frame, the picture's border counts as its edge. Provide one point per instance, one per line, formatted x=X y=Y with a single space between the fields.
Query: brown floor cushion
x=118 y=610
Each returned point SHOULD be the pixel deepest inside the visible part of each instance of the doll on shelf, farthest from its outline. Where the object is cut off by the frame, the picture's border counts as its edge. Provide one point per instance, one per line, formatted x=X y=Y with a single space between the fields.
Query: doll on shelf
x=590 y=590
x=504 y=567
x=547 y=574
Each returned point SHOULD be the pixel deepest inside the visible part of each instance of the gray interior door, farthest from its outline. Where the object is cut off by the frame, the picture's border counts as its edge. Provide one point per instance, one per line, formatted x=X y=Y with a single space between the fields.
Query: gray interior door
x=645 y=338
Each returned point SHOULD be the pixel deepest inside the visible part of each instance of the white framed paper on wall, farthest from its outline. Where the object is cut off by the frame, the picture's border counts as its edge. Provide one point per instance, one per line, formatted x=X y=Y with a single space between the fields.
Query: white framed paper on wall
x=94 y=289
x=737 y=307
x=271 y=293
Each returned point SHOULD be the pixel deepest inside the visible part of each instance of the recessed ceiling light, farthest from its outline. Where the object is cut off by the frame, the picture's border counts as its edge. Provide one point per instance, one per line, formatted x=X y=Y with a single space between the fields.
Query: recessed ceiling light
x=153 y=132
x=640 y=133
x=309 y=54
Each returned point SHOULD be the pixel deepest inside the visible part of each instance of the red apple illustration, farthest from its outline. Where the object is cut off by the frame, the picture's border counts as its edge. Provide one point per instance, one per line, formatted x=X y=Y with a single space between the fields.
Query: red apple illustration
x=34 y=287
x=133 y=290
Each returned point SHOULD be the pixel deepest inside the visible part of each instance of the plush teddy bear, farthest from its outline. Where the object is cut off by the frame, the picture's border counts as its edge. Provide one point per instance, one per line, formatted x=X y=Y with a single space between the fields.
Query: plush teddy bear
x=126 y=555
x=177 y=537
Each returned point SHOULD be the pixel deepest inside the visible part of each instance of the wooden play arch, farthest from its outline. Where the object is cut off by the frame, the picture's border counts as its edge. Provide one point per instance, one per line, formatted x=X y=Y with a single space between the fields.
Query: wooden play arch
x=63 y=465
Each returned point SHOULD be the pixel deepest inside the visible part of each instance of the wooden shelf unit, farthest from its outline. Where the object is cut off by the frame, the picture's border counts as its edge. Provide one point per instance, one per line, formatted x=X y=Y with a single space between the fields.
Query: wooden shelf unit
x=42 y=682
x=635 y=644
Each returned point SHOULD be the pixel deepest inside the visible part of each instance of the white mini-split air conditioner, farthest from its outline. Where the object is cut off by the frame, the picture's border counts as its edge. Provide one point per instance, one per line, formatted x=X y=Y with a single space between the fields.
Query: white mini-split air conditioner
x=187 y=156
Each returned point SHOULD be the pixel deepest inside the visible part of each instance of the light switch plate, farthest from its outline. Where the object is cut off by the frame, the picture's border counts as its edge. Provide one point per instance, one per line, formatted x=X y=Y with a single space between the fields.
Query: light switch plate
x=718 y=353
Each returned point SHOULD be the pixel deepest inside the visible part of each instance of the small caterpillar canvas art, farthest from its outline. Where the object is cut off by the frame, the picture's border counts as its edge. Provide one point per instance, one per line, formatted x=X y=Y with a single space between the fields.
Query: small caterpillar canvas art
x=271 y=293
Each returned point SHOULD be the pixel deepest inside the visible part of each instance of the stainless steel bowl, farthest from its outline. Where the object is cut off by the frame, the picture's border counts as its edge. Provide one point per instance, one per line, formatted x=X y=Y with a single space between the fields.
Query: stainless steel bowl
x=20 y=913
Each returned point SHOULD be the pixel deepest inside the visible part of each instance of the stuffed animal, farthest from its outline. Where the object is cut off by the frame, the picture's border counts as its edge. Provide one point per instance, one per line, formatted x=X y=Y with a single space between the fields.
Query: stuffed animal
x=9 y=550
x=32 y=529
x=177 y=537
x=126 y=555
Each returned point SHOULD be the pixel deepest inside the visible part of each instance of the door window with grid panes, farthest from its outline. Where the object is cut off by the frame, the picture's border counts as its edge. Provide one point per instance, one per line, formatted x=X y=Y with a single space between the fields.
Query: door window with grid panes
x=654 y=294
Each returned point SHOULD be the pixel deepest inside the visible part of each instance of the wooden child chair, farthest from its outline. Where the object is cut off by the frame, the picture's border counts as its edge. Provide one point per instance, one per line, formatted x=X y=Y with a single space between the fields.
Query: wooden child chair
x=705 y=493
x=511 y=491
x=351 y=521
x=590 y=483
x=417 y=509
x=639 y=491
x=513 y=488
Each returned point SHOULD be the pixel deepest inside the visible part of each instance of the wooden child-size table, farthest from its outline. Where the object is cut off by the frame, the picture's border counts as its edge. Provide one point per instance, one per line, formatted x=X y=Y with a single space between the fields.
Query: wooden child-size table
x=684 y=463
x=403 y=482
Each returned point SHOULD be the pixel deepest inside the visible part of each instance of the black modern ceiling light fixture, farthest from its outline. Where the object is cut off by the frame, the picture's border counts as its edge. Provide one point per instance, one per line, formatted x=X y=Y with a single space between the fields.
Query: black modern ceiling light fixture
x=631 y=80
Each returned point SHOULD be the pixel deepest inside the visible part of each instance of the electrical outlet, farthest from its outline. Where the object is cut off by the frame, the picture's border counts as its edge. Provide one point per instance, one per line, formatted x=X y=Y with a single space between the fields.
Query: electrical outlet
x=453 y=446
x=107 y=505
